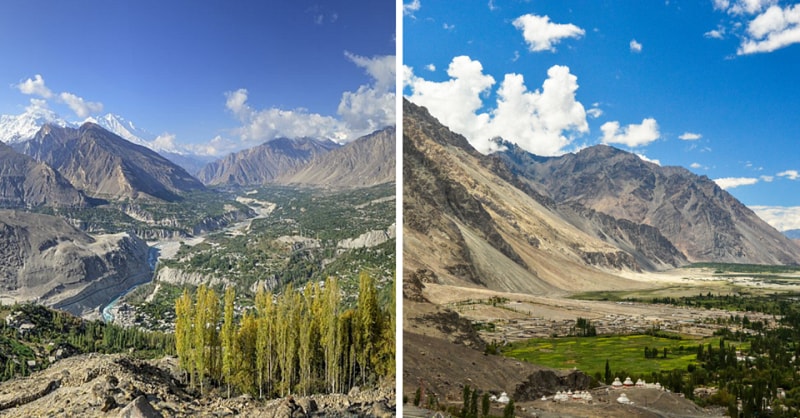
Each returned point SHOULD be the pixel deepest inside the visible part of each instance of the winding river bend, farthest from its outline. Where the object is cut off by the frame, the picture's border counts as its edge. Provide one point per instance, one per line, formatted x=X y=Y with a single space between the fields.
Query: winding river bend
x=168 y=248
x=152 y=260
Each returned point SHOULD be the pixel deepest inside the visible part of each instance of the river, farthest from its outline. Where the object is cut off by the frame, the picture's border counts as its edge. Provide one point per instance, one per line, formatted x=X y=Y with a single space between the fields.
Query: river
x=152 y=260
x=168 y=248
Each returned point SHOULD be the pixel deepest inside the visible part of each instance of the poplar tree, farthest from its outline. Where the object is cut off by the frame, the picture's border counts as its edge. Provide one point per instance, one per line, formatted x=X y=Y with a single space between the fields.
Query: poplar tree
x=265 y=341
x=367 y=323
x=228 y=340
x=213 y=346
x=306 y=330
x=246 y=353
x=183 y=331
x=199 y=335
x=329 y=335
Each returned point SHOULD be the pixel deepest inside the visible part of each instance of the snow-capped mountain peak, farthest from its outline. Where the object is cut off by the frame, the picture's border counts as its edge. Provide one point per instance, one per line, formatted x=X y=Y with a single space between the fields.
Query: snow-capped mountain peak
x=124 y=128
x=19 y=128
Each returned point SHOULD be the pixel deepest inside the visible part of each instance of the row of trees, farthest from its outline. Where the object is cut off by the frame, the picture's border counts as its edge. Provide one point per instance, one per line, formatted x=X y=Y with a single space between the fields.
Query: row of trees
x=297 y=342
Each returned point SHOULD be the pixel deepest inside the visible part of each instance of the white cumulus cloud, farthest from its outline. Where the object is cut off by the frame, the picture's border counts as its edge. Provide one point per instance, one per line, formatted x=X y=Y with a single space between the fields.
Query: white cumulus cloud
x=633 y=135
x=649 y=160
x=372 y=106
x=368 y=108
x=635 y=46
x=782 y=218
x=775 y=28
x=35 y=86
x=543 y=121
x=690 y=136
x=790 y=174
x=731 y=182
x=268 y=124
x=542 y=35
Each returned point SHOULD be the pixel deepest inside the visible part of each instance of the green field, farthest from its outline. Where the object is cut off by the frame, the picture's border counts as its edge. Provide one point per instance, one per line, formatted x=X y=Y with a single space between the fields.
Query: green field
x=624 y=353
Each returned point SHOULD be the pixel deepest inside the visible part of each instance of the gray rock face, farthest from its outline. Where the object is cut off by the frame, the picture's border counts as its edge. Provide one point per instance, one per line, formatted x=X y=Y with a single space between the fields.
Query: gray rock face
x=104 y=165
x=368 y=239
x=24 y=182
x=700 y=219
x=46 y=259
x=548 y=382
x=264 y=163
x=367 y=161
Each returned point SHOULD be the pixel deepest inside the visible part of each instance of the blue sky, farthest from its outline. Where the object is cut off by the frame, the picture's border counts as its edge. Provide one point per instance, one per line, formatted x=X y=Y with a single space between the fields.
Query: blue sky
x=236 y=72
x=708 y=85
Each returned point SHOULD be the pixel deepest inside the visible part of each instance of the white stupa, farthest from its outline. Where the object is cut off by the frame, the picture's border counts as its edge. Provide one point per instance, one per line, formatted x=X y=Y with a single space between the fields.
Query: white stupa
x=617 y=384
x=503 y=398
x=623 y=399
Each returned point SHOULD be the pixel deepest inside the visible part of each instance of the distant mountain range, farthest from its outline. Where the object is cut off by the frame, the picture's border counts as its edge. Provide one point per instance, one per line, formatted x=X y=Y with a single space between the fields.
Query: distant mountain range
x=265 y=162
x=19 y=128
x=700 y=219
x=104 y=165
x=367 y=161
x=284 y=160
x=513 y=221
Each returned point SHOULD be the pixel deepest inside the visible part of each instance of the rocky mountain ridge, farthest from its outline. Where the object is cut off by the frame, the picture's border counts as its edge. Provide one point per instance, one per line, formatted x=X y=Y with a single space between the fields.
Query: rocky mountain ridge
x=107 y=166
x=367 y=161
x=466 y=225
x=26 y=183
x=265 y=162
x=704 y=222
x=501 y=221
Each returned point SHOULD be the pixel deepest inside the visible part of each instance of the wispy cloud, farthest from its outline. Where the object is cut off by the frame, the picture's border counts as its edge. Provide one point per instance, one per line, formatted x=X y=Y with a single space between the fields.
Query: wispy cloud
x=636 y=47
x=790 y=174
x=410 y=8
x=731 y=182
x=689 y=136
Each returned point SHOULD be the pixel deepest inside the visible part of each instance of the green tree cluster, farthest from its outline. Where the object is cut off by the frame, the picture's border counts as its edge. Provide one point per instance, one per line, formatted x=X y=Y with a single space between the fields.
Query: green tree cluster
x=298 y=342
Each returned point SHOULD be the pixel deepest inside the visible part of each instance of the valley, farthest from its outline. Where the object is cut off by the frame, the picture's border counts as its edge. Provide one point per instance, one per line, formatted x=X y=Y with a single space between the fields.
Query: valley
x=296 y=236
x=556 y=274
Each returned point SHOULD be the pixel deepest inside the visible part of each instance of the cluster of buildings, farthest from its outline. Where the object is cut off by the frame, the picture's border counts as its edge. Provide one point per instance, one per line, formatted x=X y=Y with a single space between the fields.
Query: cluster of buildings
x=578 y=395
x=700 y=322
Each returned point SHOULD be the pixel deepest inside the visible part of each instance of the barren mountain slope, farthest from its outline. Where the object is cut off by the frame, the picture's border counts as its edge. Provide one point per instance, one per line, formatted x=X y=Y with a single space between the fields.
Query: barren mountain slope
x=367 y=161
x=43 y=258
x=265 y=162
x=467 y=225
x=104 y=165
x=24 y=182
x=703 y=221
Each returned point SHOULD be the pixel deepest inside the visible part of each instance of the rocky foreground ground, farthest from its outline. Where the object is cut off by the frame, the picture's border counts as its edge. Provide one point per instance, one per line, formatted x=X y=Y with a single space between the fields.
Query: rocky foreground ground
x=97 y=385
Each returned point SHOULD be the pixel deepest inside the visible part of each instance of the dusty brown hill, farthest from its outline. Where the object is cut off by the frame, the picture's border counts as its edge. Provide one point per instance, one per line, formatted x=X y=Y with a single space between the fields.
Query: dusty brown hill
x=24 y=182
x=700 y=219
x=43 y=258
x=102 y=385
x=467 y=225
x=104 y=165
x=264 y=163
x=367 y=161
